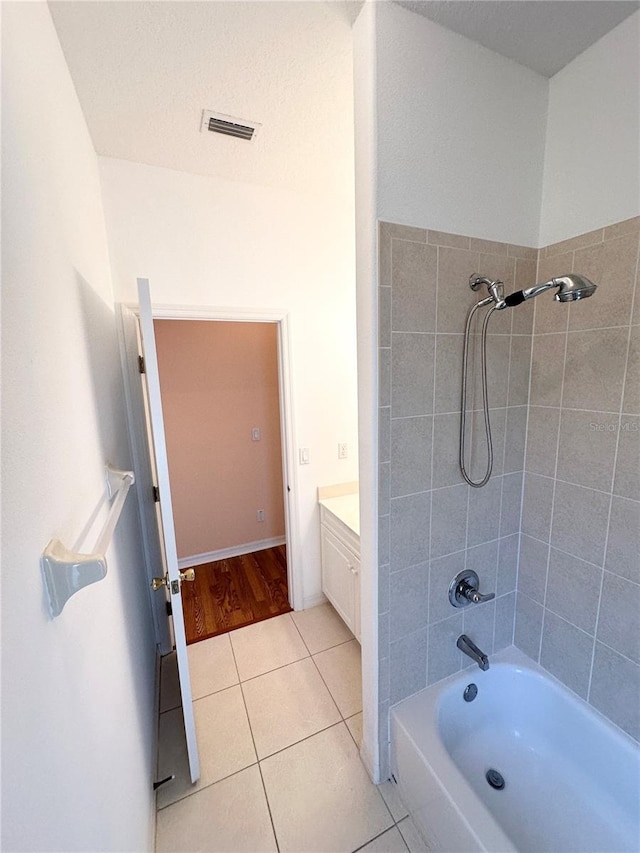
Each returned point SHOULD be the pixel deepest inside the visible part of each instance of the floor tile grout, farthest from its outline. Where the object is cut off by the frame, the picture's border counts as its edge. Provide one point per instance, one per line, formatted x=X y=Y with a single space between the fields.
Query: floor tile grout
x=277 y=751
x=310 y=655
x=329 y=689
x=267 y=672
x=380 y=834
x=343 y=719
x=253 y=740
x=302 y=740
x=208 y=785
x=284 y=749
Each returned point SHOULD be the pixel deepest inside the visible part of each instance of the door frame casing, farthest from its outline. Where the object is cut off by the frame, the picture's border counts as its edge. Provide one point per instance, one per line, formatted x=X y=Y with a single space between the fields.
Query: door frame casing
x=282 y=321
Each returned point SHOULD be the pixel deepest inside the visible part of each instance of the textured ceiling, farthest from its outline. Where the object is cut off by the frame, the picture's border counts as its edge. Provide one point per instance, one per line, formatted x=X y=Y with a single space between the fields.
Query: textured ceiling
x=544 y=35
x=144 y=71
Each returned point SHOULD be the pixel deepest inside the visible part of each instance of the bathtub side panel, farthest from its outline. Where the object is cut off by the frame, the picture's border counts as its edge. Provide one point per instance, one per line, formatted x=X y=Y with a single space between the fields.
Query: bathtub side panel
x=439 y=821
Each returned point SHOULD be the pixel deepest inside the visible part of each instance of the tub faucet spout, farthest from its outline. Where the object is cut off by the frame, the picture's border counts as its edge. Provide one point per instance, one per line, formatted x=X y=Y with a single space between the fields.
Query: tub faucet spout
x=469 y=648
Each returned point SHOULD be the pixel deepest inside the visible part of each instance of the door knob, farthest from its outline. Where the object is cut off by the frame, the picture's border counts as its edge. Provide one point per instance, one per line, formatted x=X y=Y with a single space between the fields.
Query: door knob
x=186 y=575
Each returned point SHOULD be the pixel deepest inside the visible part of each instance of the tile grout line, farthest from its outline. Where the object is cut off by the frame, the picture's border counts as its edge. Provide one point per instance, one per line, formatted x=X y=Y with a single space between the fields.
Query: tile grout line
x=617 y=652
x=567 y=553
x=474 y=338
x=204 y=787
x=575 y=409
x=343 y=718
x=589 y=329
x=459 y=551
x=282 y=666
x=433 y=442
x=578 y=485
x=228 y=776
x=598 y=566
x=346 y=719
x=555 y=479
x=253 y=741
x=613 y=473
x=380 y=834
x=524 y=461
x=471 y=344
x=504 y=459
x=302 y=740
x=569 y=622
x=312 y=656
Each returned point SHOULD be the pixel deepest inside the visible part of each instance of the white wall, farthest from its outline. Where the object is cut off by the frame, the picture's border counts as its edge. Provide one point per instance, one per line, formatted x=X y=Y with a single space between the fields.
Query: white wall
x=77 y=692
x=592 y=158
x=210 y=242
x=460 y=132
x=364 y=74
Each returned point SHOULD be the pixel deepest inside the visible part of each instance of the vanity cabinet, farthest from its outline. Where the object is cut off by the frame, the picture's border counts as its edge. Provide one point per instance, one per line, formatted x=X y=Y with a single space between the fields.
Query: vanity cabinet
x=340 y=548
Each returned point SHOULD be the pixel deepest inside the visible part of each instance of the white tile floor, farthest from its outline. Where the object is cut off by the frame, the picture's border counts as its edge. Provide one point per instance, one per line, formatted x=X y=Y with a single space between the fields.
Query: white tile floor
x=278 y=711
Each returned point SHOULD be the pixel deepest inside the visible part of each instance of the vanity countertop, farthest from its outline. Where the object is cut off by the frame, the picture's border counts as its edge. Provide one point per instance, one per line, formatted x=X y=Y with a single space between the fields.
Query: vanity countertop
x=346 y=508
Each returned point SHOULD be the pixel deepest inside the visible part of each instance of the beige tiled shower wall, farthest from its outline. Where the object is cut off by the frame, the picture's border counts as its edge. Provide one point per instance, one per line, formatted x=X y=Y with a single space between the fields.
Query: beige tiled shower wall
x=578 y=608
x=431 y=523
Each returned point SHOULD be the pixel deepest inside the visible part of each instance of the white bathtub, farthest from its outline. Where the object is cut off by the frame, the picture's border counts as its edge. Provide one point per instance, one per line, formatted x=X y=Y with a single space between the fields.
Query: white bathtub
x=572 y=780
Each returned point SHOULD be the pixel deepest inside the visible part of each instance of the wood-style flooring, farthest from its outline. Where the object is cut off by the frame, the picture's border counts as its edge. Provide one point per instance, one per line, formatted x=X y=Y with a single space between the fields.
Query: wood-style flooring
x=232 y=593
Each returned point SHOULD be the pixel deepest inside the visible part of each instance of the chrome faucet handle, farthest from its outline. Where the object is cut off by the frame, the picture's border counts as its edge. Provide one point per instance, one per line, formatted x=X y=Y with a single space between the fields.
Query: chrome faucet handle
x=464 y=589
x=473 y=595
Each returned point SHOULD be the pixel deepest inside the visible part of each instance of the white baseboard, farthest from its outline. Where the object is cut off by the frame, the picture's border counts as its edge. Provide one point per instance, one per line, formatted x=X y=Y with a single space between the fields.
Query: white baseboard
x=227 y=553
x=313 y=600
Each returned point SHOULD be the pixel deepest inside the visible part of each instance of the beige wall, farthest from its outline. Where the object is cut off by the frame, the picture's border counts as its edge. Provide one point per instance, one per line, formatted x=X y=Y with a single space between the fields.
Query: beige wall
x=432 y=524
x=219 y=380
x=578 y=609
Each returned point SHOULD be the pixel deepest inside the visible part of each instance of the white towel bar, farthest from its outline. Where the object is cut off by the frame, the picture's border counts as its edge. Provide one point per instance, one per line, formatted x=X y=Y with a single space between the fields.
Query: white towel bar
x=65 y=571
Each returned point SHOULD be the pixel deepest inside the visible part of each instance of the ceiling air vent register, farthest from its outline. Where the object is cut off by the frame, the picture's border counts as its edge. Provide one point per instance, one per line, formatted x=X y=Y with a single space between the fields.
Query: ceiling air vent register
x=228 y=125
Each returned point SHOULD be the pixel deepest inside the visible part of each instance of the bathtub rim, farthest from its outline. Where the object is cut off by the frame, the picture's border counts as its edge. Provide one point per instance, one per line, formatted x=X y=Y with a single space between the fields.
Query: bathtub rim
x=453 y=785
x=513 y=656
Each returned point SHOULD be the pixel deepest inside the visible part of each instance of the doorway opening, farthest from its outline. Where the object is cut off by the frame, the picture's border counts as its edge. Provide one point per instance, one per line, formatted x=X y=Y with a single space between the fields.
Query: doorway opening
x=220 y=382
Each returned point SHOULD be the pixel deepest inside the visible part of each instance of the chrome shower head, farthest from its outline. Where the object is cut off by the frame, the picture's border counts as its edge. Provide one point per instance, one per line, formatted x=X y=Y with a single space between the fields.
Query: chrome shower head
x=571 y=287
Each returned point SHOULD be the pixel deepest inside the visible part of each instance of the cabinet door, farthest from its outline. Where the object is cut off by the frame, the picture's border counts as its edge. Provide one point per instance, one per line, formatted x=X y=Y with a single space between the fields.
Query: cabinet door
x=338 y=564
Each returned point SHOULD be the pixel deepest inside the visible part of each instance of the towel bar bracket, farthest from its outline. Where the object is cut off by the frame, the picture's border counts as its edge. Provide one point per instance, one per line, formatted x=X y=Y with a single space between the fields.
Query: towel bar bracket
x=65 y=571
x=116 y=479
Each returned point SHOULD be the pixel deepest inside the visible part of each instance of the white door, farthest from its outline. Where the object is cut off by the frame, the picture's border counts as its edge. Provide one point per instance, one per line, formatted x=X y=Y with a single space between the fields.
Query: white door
x=166 y=515
x=141 y=453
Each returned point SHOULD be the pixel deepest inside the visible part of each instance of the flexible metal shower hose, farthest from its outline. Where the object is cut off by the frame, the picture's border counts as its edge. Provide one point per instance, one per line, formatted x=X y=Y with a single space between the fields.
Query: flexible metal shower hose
x=485 y=401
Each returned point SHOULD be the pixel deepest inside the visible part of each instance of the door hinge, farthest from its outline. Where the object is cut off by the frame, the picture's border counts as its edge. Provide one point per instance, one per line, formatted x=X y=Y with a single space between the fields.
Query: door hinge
x=141 y=366
x=156 y=494
x=169 y=608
